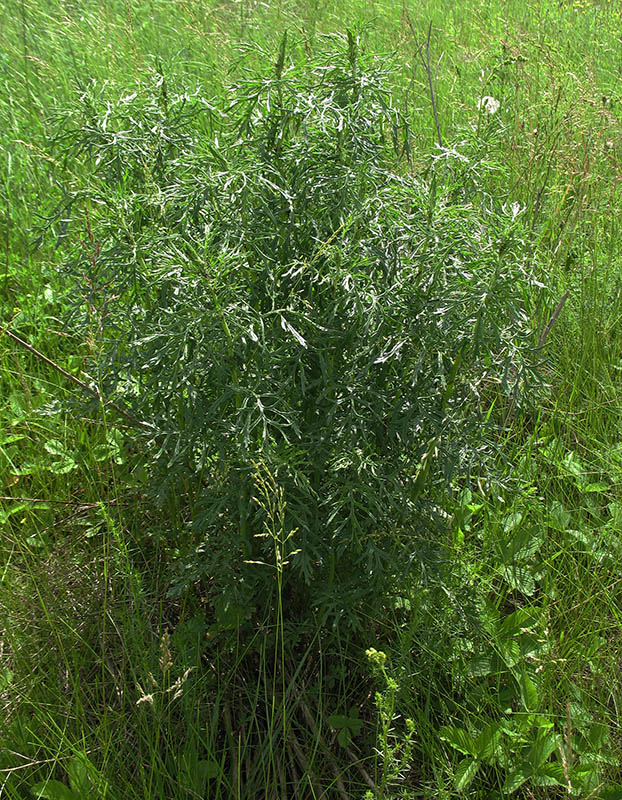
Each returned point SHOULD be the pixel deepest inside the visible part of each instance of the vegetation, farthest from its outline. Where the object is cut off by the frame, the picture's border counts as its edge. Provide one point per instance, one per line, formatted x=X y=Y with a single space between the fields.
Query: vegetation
x=310 y=437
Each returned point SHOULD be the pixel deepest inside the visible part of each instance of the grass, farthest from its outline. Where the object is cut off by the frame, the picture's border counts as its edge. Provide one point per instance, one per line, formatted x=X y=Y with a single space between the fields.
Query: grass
x=503 y=678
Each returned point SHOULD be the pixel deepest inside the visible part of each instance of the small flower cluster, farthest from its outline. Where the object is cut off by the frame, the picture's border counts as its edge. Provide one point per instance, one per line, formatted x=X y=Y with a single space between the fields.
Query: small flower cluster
x=488 y=104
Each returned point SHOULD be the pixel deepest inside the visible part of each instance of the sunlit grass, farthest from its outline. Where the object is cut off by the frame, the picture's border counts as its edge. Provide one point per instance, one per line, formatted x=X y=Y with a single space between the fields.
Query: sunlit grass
x=84 y=611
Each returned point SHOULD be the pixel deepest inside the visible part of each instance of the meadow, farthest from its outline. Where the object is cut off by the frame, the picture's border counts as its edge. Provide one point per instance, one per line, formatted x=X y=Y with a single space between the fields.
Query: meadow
x=310 y=368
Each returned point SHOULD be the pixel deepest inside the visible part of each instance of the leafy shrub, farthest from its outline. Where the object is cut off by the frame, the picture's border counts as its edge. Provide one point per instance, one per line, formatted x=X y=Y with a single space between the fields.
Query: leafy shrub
x=276 y=293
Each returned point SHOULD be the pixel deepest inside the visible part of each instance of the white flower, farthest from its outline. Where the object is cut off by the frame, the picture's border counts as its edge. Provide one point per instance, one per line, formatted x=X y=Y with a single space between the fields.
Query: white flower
x=488 y=104
x=513 y=210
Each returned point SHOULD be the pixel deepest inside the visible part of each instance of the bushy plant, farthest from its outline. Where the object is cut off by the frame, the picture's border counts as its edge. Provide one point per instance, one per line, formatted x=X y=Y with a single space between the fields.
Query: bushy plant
x=274 y=291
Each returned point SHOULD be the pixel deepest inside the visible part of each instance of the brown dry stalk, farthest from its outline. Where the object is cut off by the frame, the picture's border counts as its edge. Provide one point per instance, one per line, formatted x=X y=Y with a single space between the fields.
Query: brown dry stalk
x=362 y=771
x=311 y=723
x=554 y=315
x=7 y=498
x=93 y=392
x=234 y=749
x=428 y=69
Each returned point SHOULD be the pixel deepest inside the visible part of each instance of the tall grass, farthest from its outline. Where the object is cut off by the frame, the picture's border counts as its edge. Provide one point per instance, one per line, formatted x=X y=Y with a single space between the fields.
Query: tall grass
x=500 y=679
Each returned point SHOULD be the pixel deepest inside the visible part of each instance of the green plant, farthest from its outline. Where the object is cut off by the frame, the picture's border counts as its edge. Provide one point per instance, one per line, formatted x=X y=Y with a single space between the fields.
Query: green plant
x=394 y=746
x=526 y=743
x=85 y=555
x=269 y=288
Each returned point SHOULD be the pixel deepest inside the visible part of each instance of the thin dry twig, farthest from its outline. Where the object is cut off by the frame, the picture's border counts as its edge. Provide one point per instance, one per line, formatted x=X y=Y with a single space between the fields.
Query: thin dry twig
x=7 y=498
x=302 y=760
x=93 y=392
x=554 y=315
x=428 y=69
x=329 y=756
x=35 y=763
x=362 y=771
x=431 y=86
x=235 y=749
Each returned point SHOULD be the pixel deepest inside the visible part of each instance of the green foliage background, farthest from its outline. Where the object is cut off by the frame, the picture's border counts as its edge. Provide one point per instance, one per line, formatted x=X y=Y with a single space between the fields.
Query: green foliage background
x=334 y=543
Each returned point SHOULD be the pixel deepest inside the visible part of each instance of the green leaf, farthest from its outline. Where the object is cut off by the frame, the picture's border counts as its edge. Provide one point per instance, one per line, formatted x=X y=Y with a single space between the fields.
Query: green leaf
x=480 y=666
x=112 y=449
x=55 y=447
x=4 y=515
x=596 y=488
x=79 y=778
x=116 y=444
x=338 y=721
x=554 y=771
x=10 y=438
x=49 y=295
x=516 y=778
x=522 y=619
x=6 y=678
x=465 y=772
x=546 y=741
x=574 y=466
x=84 y=778
x=526 y=543
x=551 y=774
x=589 y=776
x=528 y=692
x=559 y=517
x=65 y=462
x=355 y=724
x=208 y=770
x=18 y=404
x=520 y=578
x=346 y=725
x=62 y=466
x=27 y=469
x=343 y=737
x=510 y=652
x=512 y=521
x=508 y=695
x=100 y=452
x=54 y=790
x=598 y=736
x=459 y=739
x=487 y=742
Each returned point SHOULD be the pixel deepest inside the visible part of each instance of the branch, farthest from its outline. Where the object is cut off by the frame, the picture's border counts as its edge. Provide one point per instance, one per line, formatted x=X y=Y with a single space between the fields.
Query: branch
x=341 y=789
x=5 y=498
x=432 y=98
x=554 y=315
x=93 y=392
x=428 y=69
